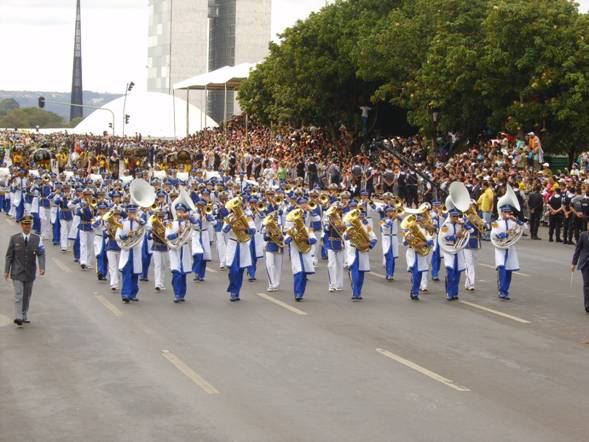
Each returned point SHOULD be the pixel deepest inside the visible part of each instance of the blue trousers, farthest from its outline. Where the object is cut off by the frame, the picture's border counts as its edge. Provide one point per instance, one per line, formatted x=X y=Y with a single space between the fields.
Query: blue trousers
x=251 y=270
x=357 y=277
x=415 y=280
x=452 y=282
x=179 y=284
x=503 y=281
x=389 y=260
x=199 y=266
x=3 y=203
x=77 y=247
x=101 y=261
x=235 y=275
x=130 y=285
x=323 y=250
x=36 y=223
x=56 y=232
x=145 y=259
x=20 y=210
x=436 y=263
x=6 y=204
x=300 y=284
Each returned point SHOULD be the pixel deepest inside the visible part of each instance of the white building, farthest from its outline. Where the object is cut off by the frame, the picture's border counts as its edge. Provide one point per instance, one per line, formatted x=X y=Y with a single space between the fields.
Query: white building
x=190 y=37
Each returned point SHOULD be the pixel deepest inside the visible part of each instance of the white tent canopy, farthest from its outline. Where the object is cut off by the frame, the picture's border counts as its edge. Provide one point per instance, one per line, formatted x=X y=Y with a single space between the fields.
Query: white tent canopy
x=227 y=78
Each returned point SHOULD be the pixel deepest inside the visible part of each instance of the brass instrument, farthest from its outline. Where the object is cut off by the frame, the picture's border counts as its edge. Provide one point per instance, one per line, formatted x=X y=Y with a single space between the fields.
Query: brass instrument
x=324 y=199
x=158 y=228
x=312 y=205
x=278 y=200
x=261 y=207
x=515 y=234
x=237 y=218
x=112 y=223
x=474 y=218
x=273 y=230
x=335 y=220
x=298 y=232
x=413 y=234
x=428 y=222
x=356 y=232
x=209 y=209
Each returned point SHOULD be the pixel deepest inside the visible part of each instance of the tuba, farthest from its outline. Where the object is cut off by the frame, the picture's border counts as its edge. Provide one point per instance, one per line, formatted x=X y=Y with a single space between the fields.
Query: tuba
x=185 y=233
x=515 y=234
x=142 y=194
x=237 y=218
x=458 y=198
x=298 y=232
x=357 y=233
x=158 y=228
x=112 y=224
x=413 y=233
x=273 y=229
x=335 y=220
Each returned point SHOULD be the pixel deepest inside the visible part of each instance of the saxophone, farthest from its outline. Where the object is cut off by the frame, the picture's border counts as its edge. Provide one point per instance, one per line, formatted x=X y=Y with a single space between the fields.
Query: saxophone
x=357 y=234
x=237 y=218
x=298 y=232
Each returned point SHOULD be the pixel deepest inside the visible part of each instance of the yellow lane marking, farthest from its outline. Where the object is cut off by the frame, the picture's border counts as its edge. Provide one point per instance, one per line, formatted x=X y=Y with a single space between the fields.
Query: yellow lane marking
x=4 y=320
x=422 y=370
x=61 y=265
x=378 y=275
x=281 y=304
x=525 y=275
x=495 y=312
x=189 y=372
x=110 y=306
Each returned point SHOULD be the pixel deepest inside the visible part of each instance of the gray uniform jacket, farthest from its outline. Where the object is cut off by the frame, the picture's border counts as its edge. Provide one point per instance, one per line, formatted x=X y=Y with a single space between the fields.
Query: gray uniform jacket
x=21 y=261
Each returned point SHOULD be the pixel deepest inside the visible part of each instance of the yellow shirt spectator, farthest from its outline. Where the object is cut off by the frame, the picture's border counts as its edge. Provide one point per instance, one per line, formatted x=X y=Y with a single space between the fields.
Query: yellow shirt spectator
x=485 y=201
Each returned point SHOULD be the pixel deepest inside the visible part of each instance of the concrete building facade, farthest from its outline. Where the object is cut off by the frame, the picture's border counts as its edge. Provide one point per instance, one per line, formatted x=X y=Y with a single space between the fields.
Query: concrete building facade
x=190 y=37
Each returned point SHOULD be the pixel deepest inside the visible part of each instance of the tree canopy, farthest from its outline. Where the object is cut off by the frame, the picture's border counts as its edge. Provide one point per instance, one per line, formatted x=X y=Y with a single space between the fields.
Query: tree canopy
x=515 y=65
x=29 y=117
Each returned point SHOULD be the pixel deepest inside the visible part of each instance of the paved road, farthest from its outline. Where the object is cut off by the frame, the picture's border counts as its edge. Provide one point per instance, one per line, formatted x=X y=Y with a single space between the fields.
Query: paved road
x=387 y=369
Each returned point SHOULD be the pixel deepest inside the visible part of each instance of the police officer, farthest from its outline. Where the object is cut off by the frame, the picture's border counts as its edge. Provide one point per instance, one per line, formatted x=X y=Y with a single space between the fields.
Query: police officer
x=568 y=215
x=555 y=216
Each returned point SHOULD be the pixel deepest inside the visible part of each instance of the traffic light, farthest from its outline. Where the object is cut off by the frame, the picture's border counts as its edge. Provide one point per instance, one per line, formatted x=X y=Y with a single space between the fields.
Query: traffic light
x=127 y=116
x=41 y=102
x=110 y=125
x=130 y=86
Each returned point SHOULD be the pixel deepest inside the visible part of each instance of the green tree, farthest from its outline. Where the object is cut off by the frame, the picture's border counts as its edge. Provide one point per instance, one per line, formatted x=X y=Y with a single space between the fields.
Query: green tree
x=7 y=104
x=29 y=117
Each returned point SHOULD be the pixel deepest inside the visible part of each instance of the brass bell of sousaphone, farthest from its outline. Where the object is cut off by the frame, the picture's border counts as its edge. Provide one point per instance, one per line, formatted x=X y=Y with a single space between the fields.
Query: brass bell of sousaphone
x=514 y=235
x=458 y=198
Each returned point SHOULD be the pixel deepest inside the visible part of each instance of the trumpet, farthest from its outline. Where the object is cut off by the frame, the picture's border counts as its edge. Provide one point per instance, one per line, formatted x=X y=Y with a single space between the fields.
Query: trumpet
x=312 y=205
x=278 y=200
x=261 y=207
x=209 y=209
x=324 y=199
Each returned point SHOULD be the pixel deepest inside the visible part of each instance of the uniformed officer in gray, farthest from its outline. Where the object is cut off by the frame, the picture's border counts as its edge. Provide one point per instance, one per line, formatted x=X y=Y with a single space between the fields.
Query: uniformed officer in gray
x=23 y=252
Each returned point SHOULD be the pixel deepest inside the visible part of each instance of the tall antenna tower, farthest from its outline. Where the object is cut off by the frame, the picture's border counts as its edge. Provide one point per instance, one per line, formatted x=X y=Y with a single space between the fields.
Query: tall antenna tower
x=76 y=97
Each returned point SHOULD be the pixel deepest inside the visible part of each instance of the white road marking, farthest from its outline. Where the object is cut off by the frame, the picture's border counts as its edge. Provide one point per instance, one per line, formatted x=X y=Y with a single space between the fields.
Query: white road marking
x=495 y=312
x=4 y=320
x=281 y=304
x=61 y=265
x=525 y=275
x=110 y=306
x=378 y=275
x=189 y=372
x=422 y=370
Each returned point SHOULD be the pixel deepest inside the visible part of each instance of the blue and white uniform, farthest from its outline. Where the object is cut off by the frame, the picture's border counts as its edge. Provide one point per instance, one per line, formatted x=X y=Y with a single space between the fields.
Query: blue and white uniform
x=506 y=260
x=301 y=263
x=130 y=261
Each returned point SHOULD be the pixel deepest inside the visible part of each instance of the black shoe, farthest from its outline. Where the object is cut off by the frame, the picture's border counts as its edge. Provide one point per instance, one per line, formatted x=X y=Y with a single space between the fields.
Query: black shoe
x=251 y=279
x=558 y=240
x=126 y=300
x=182 y=300
x=113 y=289
x=84 y=267
x=176 y=301
x=18 y=322
x=135 y=300
x=550 y=240
x=298 y=299
x=587 y=309
x=157 y=289
x=26 y=321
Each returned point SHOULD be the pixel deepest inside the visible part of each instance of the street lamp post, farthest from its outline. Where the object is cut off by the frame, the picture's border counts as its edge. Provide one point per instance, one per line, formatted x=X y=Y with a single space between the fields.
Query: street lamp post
x=128 y=88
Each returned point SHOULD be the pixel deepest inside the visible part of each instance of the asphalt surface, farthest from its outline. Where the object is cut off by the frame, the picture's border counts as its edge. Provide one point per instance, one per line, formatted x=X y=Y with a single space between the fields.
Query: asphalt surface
x=386 y=369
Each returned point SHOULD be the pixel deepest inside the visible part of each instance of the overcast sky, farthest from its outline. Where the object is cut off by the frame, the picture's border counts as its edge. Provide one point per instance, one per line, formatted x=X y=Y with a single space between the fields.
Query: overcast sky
x=36 y=41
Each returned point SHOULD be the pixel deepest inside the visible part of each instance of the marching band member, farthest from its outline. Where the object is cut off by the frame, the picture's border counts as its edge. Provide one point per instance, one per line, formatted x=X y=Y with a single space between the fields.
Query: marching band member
x=74 y=233
x=238 y=230
x=100 y=242
x=272 y=231
x=130 y=261
x=300 y=240
x=85 y=234
x=390 y=242
x=180 y=256
x=201 y=243
x=506 y=260
x=220 y=213
x=315 y=216
x=159 y=247
x=436 y=256
x=145 y=249
x=419 y=245
x=471 y=256
x=361 y=239
x=334 y=229
x=65 y=217
x=45 y=208
x=113 y=251
x=451 y=233
x=257 y=241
